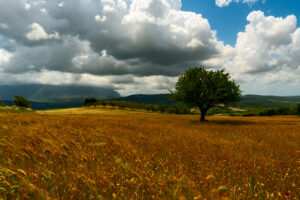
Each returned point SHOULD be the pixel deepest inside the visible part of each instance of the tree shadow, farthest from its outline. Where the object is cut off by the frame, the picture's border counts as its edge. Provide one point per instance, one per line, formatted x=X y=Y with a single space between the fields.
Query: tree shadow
x=226 y=122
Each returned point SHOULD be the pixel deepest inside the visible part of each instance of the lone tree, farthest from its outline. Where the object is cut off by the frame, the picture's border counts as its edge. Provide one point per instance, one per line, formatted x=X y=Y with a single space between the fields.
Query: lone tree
x=205 y=89
x=21 y=102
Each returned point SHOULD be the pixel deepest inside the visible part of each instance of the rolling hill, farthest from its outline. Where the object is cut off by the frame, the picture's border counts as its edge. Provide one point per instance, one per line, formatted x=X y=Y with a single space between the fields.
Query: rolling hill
x=247 y=101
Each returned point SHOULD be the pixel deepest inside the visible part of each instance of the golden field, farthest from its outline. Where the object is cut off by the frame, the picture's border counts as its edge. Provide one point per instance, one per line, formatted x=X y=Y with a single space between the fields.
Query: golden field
x=96 y=153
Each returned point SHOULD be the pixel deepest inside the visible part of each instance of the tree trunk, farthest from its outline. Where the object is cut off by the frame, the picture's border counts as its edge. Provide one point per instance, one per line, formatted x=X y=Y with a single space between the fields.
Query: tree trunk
x=202 y=118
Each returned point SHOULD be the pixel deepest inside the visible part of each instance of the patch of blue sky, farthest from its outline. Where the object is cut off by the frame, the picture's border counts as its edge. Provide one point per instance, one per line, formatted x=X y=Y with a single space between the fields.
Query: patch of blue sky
x=231 y=19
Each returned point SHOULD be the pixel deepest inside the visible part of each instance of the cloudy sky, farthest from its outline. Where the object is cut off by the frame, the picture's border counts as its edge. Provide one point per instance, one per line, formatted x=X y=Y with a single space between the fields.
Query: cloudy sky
x=142 y=46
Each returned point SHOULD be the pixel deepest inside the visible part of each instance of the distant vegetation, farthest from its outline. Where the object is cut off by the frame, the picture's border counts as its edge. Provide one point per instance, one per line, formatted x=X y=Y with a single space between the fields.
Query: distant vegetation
x=22 y=105
x=250 y=105
x=172 y=109
x=90 y=101
x=258 y=101
x=21 y=102
x=247 y=101
x=180 y=108
x=283 y=110
x=2 y=103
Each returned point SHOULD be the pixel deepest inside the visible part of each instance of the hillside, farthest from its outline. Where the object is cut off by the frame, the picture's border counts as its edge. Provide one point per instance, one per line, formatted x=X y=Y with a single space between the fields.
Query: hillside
x=258 y=101
x=247 y=101
x=148 y=99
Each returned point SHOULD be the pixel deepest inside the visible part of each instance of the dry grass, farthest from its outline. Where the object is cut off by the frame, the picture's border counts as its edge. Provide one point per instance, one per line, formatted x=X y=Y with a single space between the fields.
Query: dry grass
x=124 y=155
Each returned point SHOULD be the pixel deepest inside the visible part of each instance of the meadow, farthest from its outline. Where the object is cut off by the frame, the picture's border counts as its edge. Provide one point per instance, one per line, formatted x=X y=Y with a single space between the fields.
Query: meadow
x=97 y=153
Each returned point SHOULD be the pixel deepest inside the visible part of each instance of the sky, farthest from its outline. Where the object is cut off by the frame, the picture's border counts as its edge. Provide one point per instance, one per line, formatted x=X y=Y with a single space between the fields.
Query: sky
x=143 y=46
x=231 y=19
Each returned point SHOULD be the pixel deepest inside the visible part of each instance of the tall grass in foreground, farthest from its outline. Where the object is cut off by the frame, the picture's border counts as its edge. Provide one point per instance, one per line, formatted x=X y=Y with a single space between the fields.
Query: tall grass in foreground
x=148 y=156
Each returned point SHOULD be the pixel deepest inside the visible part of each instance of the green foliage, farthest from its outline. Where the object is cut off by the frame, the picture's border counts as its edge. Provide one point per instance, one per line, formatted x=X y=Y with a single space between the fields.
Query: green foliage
x=121 y=106
x=205 y=89
x=103 y=103
x=162 y=108
x=171 y=110
x=148 y=107
x=177 y=108
x=221 y=110
x=257 y=101
x=21 y=102
x=90 y=101
x=278 y=111
x=286 y=110
x=298 y=109
x=1 y=103
x=154 y=108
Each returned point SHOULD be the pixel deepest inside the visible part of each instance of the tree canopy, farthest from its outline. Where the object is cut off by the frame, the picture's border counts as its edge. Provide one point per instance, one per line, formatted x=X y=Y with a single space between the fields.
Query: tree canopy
x=21 y=102
x=205 y=89
x=90 y=101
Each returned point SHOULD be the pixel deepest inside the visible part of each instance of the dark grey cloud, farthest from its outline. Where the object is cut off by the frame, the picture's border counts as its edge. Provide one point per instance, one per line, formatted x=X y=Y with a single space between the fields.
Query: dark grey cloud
x=107 y=37
x=135 y=45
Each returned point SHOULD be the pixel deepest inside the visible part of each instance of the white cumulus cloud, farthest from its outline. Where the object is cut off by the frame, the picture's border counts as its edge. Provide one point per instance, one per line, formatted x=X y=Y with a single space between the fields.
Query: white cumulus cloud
x=38 y=33
x=267 y=51
x=222 y=3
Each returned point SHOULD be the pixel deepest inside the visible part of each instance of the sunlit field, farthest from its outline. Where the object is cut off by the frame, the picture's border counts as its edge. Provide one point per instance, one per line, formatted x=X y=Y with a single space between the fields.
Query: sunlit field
x=111 y=154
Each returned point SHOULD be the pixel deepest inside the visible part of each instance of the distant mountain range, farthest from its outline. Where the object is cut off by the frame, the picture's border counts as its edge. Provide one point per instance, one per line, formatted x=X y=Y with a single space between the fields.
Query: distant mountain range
x=148 y=99
x=247 y=101
x=50 y=96
x=54 y=93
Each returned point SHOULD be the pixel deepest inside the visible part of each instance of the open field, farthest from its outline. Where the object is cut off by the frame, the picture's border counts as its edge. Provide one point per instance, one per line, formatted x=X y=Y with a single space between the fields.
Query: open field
x=110 y=154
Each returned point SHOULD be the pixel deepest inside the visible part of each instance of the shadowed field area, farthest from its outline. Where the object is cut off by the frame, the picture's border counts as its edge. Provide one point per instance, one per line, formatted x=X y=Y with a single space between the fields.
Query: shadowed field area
x=135 y=155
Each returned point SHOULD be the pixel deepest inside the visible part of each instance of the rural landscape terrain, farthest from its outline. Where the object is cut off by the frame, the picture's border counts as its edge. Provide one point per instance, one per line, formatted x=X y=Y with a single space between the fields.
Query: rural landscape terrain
x=111 y=153
x=149 y=100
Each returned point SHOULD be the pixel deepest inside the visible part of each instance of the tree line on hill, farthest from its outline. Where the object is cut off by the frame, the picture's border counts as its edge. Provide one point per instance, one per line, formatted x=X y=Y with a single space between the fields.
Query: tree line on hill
x=172 y=109
x=19 y=101
x=284 y=110
x=184 y=109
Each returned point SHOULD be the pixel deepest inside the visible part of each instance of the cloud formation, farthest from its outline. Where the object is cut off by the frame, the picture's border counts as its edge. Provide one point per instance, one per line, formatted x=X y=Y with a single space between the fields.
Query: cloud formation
x=38 y=33
x=113 y=37
x=223 y=3
x=267 y=49
x=136 y=46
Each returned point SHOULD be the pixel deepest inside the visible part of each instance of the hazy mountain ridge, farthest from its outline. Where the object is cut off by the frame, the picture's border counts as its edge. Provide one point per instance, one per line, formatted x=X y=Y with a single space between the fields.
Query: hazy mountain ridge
x=45 y=106
x=54 y=94
x=50 y=96
x=256 y=101
x=148 y=98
